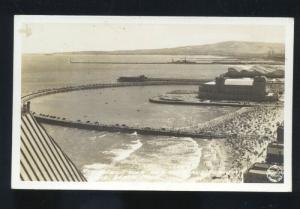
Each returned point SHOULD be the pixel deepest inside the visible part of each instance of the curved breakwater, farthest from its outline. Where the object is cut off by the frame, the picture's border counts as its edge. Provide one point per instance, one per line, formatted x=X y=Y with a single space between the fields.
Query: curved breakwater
x=56 y=120
x=53 y=120
x=45 y=92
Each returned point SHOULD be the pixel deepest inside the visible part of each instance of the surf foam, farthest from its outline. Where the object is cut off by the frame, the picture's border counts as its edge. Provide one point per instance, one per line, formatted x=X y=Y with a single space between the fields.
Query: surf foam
x=123 y=153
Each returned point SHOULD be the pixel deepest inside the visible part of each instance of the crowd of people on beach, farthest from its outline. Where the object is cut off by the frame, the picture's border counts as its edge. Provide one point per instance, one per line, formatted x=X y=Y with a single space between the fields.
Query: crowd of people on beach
x=245 y=150
x=257 y=121
x=249 y=132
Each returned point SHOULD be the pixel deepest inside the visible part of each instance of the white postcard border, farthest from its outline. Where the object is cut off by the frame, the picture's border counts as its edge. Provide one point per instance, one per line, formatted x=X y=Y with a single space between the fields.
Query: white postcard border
x=16 y=183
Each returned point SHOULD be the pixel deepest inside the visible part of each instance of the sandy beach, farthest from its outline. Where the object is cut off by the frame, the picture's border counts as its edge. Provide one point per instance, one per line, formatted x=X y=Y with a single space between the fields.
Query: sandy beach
x=226 y=160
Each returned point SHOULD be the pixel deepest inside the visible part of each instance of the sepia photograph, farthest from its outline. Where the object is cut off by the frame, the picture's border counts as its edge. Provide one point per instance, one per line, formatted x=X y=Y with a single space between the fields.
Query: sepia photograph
x=152 y=103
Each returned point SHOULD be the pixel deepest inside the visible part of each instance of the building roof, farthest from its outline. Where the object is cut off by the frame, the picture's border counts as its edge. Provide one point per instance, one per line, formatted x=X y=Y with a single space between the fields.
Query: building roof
x=256 y=70
x=239 y=82
x=260 y=166
x=261 y=172
x=41 y=157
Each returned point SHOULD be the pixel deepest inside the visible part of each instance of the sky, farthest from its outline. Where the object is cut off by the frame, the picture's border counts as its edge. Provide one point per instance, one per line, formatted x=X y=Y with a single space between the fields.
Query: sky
x=66 y=37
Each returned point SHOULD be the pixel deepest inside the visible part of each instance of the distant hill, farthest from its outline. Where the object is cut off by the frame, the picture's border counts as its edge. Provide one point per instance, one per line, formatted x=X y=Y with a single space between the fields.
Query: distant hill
x=228 y=48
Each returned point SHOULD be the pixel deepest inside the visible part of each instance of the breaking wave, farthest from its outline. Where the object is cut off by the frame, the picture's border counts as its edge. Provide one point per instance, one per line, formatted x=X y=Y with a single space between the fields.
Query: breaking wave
x=125 y=152
x=134 y=133
x=161 y=159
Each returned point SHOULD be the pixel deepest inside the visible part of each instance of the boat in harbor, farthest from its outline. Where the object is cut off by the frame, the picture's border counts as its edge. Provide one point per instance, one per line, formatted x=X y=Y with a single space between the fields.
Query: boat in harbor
x=140 y=78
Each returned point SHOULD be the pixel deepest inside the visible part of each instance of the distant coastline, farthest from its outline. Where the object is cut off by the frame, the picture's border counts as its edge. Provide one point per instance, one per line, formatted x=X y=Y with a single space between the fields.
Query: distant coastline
x=268 y=62
x=236 y=49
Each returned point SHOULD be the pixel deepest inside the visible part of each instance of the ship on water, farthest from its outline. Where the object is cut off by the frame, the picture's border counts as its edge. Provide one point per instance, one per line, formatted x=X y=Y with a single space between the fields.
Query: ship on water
x=140 y=78
x=183 y=61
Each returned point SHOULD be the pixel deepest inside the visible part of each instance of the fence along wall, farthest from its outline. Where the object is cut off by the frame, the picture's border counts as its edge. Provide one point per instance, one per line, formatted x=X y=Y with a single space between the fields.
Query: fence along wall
x=41 y=157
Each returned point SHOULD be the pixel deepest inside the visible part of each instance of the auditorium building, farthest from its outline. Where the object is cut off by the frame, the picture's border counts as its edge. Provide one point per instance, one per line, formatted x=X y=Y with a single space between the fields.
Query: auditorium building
x=246 y=89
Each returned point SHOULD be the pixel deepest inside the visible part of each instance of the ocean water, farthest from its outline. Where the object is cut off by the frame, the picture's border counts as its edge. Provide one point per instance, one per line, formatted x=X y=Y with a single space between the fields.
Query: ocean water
x=128 y=105
x=49 y=71
x=104 y=156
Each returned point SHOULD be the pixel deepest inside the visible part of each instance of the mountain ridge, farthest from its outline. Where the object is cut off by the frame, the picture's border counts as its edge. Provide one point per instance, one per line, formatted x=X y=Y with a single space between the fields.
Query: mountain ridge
x=226 y=48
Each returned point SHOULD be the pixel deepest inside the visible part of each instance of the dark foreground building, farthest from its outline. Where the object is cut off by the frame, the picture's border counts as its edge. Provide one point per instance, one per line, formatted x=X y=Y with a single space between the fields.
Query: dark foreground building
x=274 y=153
x=270 y=171
x=262 y=173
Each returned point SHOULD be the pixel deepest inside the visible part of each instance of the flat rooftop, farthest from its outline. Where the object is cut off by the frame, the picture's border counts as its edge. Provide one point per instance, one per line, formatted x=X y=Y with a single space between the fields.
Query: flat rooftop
x=234 y=82
x=239 y=82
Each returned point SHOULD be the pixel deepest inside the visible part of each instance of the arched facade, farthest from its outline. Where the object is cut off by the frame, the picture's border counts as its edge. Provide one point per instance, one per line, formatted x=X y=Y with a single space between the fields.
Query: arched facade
x=250 y=89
